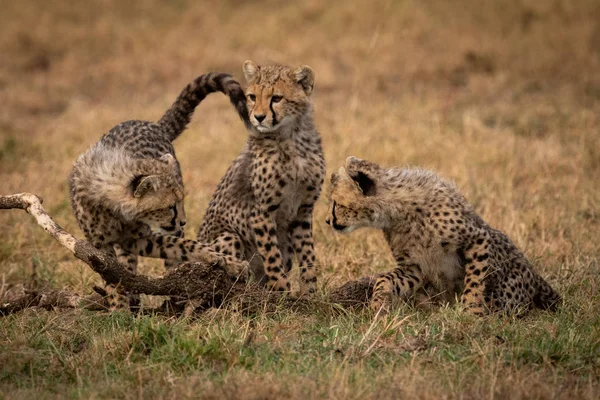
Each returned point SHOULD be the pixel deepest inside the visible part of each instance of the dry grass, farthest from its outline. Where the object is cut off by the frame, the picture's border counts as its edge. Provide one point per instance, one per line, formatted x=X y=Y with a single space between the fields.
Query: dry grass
x=503 y=97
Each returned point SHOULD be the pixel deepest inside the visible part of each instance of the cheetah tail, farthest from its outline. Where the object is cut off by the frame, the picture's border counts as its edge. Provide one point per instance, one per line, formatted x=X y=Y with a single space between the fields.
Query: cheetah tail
x=546 y=297
x=175 y=120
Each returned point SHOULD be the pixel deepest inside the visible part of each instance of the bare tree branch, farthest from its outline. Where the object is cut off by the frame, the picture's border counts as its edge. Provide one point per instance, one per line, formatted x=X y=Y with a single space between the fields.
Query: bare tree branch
x=101 y=262
x=205 y=284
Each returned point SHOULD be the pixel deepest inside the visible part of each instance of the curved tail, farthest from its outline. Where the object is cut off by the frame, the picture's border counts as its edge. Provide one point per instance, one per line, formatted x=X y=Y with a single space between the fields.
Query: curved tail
x=176 y=119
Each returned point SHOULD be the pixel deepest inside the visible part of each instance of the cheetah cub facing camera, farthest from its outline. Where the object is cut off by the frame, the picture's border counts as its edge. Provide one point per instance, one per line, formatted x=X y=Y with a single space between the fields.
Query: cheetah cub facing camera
x=127 y=190
x=262 y=209
x=437 y=240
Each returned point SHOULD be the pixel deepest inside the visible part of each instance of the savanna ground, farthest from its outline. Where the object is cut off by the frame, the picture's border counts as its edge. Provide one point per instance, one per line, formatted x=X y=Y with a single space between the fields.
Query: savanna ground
x=503 y=97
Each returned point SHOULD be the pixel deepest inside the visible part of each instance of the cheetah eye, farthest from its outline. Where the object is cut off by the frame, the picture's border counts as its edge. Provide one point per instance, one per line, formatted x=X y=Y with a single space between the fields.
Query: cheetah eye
x=337 y=207
x=276 y=99
x=252 y=97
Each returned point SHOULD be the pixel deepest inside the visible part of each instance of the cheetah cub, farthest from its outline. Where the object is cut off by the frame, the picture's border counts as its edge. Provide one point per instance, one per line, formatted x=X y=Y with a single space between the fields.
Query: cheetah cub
x=437 y=240
x=262 y=209
x=127 y=190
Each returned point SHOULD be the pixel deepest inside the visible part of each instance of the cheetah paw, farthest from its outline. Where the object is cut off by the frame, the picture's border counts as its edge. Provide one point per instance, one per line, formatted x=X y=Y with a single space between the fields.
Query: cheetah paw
x=235 y=268
x=380 y=306
x=305 y=291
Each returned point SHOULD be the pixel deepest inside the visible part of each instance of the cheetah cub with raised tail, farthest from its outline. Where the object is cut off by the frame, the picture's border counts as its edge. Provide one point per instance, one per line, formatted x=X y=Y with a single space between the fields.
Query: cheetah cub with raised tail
x=127 y=190
x=262 y=209
x=437 y=240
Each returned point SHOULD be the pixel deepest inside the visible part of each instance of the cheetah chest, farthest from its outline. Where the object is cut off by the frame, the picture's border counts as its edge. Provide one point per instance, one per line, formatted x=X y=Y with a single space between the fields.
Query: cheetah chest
x=297 y=189
x=441 y=267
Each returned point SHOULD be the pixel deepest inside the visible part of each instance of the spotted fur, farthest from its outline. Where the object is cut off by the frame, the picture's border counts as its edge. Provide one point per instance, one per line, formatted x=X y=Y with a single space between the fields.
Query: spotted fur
x=127 y=190
x=262 y=209
x=436 y=238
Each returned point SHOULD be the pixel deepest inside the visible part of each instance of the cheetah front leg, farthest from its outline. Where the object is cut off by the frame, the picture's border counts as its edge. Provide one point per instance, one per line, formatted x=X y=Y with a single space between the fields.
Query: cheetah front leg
x=171 y=263
x=403 y=281
x=176 y=248
x=229 y=244
x=476 y=269
x=130 y=261
x=268 y=181
x=267 y=244
x=115 y=295
x=304 y=247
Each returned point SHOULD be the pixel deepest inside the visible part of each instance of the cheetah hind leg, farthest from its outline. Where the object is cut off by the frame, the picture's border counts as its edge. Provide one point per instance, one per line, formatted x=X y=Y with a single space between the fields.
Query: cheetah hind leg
x=477 y=266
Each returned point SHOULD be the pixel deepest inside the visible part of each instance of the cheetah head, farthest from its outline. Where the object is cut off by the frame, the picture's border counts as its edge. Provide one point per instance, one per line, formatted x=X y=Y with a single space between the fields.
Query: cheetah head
x=159 y=198
x=277 y=96
x=353 y=197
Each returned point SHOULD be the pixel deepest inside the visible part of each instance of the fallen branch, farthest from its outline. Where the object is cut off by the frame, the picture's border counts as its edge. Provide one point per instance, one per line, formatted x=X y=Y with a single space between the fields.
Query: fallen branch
x=18 y=298
x=180 y=281
x=206 y=285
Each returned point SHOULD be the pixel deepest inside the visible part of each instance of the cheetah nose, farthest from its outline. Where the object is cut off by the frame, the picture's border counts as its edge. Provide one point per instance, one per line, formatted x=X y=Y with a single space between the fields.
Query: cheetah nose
x=327 y=221
x=260 y=118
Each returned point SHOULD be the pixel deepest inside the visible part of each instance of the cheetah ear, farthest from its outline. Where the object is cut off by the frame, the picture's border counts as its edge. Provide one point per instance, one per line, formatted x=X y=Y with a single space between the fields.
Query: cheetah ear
x=362 y=173
x=171 y=164
x=250 y=70
x=347 y=184
x=352 y=163
x=341 y=175
x=142 y=185
x=365 y=183
x=355 y=164
x=168 y=159
x=305 y=76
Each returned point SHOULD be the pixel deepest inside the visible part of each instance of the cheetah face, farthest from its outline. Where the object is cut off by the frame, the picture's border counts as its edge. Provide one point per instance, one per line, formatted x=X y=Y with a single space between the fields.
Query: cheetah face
x=349 y=208
x=342 y=218
x=166 y=221
x=277 y=95
x=160 y=199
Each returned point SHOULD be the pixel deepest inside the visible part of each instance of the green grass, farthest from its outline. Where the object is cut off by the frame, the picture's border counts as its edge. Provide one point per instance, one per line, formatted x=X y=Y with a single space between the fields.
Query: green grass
x=340 y=353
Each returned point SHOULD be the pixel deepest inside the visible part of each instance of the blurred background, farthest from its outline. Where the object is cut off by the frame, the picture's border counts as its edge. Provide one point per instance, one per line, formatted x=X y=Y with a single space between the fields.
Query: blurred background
x=503 y=97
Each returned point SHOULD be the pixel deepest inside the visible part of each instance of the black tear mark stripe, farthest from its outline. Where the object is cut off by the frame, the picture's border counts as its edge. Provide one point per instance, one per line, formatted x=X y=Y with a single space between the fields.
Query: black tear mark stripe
x=273 y=111
x=174 y=220
x=334 y=221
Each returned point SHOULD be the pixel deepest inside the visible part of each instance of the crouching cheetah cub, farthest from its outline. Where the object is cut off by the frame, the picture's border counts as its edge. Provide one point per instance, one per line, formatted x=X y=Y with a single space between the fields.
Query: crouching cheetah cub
x=262 y=209
x=436 y=238
x=127 y=190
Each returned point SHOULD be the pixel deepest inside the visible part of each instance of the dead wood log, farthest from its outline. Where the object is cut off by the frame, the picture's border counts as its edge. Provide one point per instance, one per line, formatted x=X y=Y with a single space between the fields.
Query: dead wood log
x=17 y=298
x=206 y=285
